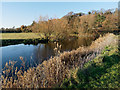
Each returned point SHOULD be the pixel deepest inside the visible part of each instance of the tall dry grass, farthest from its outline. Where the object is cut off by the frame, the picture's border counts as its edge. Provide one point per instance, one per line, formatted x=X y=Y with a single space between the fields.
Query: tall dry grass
x=52 y=72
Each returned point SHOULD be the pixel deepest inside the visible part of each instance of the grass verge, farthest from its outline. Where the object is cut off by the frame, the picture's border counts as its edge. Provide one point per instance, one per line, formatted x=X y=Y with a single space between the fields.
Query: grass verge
x=101 y=72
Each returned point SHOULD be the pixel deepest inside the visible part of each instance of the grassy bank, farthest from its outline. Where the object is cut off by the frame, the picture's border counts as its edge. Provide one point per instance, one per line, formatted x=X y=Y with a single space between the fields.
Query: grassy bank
x=100 y=72
x=18 y=38
x=55 y=70
x=6 y=42
x=35 y=38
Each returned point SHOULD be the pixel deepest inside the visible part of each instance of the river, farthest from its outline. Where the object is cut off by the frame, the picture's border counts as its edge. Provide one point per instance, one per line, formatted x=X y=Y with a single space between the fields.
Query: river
x=36 y=54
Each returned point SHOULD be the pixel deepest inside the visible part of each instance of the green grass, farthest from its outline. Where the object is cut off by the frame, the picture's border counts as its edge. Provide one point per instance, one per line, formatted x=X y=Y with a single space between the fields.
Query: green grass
x=101 y=72
x=17 y=36
x=7 y=36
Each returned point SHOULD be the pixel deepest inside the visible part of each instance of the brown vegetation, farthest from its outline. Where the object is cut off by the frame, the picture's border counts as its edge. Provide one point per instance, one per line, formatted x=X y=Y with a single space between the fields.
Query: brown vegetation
x=76 y=23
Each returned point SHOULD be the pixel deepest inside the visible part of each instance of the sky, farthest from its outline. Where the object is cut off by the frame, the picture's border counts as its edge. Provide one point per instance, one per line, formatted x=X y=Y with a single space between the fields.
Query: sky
x=23 y=13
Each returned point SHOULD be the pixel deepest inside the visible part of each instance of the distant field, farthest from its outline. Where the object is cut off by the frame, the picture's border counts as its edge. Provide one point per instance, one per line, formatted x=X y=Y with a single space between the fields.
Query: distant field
x=20 y=36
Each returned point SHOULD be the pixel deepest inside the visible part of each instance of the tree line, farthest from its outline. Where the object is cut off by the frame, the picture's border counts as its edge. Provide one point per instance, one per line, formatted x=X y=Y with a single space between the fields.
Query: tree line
x=77 y=23
x=72 y=23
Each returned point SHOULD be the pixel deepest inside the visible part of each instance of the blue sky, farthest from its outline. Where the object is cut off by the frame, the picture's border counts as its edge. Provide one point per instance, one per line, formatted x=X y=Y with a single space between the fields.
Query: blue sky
x=23 y=13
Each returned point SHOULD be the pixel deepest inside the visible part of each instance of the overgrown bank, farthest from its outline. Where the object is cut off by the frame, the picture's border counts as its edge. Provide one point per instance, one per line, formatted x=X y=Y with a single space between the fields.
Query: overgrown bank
x=56 y=69
x=18 y=38
x=100 y=72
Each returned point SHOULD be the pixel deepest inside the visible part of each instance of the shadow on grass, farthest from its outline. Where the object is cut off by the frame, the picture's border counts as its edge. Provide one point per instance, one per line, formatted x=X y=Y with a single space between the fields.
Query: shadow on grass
x=24 y=41
x=91 y=76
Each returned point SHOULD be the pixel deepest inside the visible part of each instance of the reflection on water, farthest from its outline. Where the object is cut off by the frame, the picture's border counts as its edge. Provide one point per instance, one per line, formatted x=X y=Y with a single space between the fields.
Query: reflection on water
x=34 y=55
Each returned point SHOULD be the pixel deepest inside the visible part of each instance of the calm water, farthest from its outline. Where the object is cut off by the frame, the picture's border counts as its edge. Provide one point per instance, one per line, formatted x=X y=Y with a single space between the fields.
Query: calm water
x=34 y=55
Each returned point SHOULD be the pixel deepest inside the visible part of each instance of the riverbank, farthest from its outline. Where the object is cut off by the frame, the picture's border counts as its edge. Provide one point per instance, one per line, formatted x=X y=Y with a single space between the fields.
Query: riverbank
x=53 y=71
x=35 y=38
x=100 y=72
x=18 y=38
x=7 y=42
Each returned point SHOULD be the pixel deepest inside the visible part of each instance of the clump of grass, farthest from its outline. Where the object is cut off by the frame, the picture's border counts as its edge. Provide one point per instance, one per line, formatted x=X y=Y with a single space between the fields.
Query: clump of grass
x=23 y=63
x=11 y=73
x=57 y=49
x=52 y=72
